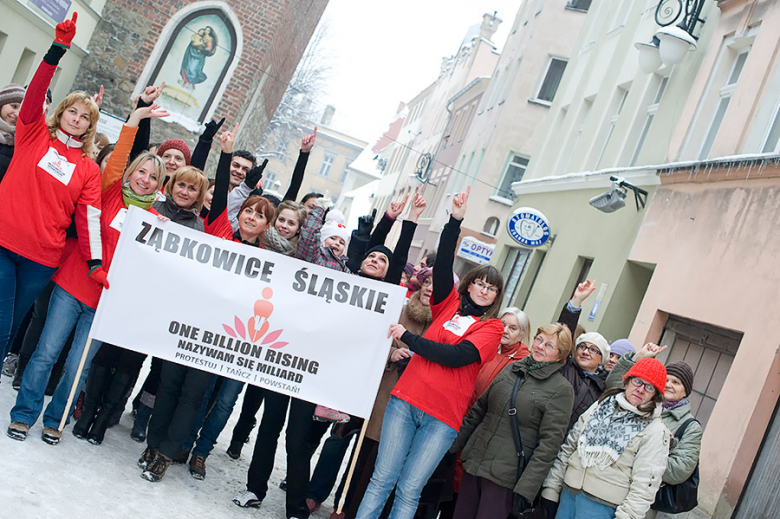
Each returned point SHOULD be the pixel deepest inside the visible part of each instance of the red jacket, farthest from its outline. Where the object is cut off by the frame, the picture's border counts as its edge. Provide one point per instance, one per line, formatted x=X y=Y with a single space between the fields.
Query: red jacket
x=47 y=181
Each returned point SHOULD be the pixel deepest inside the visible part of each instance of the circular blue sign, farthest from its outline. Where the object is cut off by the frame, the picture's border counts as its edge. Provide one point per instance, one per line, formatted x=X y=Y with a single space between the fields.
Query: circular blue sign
x=528 y=227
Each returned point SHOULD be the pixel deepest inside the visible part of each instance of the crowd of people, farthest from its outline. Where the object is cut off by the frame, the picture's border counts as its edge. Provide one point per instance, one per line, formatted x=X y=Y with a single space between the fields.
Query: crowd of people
x=475 y=417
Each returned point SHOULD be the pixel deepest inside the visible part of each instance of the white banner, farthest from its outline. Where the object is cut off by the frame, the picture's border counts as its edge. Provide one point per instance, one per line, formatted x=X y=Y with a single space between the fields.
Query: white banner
x=248 y=314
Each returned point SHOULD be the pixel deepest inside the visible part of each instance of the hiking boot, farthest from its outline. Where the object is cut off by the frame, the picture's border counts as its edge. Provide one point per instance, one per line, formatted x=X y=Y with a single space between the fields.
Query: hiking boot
x=147 y=457
x=18 y=431
x=247 y=499
x=155 y=471
x=234 y=451
x=51 y=435
x=9 y=364
x=198 y=467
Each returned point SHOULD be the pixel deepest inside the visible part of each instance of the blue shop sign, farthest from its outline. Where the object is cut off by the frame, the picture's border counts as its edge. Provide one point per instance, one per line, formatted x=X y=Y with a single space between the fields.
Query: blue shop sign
x=529 y=227
x=55 y=9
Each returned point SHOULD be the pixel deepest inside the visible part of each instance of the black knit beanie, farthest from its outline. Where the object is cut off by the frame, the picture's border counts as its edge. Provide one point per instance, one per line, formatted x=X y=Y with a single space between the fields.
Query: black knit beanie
x=684 y=372
x=380 y=248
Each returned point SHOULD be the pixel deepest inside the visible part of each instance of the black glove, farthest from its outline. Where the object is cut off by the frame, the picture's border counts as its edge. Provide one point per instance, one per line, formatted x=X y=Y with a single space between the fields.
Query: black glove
x=212 y=127
x=366 y=225
x=519 y=505
x=550 y=508
x=254 y=175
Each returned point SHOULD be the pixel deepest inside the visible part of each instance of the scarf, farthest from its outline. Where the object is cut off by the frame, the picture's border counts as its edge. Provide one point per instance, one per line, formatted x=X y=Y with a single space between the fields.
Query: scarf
x=273 y=241
x=7 y=133
x=130 y=197
x=668 y=406
x=237 y=236
x=532 y=365
x=609 y=431
x=469 y=307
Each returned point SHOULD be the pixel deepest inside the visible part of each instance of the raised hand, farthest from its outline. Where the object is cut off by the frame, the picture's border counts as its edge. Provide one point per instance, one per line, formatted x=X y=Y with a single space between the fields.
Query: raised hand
x=396 y=208
x=151 y=93
x=366 y=224
x=582 y=292
x=459 y=203
x=146 y=112
x=307 y=143
x=98 y=98
x=212 y=127
x=649 y=350
x=65 y=31
x=418 y=206
x=255 y=175
x=227 y=139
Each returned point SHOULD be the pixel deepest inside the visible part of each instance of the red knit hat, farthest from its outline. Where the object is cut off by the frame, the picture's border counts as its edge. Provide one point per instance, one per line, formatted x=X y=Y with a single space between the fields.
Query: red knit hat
x=175 y=144
x=650 y=370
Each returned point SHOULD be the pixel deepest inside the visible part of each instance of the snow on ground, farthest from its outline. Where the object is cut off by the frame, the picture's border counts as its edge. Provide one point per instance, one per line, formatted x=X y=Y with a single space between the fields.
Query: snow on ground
x=78 y=480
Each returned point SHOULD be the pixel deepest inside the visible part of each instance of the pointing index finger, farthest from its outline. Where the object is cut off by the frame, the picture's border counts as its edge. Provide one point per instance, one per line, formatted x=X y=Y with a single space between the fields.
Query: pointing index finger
x=75 y=16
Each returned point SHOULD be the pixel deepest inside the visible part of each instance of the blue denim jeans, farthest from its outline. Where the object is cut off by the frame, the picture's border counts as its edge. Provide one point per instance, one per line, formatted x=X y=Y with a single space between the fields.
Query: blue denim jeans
x=412 y=445
x=572 y=506
x=216 y=420
x=65 y=312
x=21 y=280
x=327 y=470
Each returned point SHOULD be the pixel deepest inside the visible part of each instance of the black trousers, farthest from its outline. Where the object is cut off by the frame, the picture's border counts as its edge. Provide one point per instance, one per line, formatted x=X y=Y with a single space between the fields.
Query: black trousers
x=179 y=399
x=121 y=359
x=253 y=397
x=301 y=430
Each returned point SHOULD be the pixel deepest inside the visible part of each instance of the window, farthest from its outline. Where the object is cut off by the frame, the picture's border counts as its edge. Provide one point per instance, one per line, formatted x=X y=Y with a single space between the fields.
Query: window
x=725 y=94
x=621 y=96
x=773 y=137
x=652 y=108
x=580 y=5
x=343 y=176
x=552 y=78
x=327 y=163
x=514 y=172
x=491 y=226
x=514 y=266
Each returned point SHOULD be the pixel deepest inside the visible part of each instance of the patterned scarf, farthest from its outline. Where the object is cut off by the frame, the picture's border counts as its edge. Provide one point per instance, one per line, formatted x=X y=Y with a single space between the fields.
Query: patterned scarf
x=532 y=365
x=274 y=241
x=130 y=197
x=609 y=431
x=668 y=406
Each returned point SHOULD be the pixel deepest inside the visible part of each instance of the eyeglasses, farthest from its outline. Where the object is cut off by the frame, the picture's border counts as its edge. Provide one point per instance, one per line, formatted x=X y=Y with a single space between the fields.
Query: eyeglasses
x=550 y=346
x=590 y=349
x=481 y=286
x=638 y=382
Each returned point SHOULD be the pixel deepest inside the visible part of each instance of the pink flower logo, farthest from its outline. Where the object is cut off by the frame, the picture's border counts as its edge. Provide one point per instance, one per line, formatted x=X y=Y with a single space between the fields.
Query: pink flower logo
x=257 y=325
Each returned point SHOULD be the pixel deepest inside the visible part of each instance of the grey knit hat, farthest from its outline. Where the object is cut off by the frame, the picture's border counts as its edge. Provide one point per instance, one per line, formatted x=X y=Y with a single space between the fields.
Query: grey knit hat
x=684 y=372
x=11 y=94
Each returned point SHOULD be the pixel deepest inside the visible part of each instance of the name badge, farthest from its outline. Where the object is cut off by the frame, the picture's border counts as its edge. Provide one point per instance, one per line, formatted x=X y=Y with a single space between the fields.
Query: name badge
x=459 y=324
x=57 y=166
x=119 y=220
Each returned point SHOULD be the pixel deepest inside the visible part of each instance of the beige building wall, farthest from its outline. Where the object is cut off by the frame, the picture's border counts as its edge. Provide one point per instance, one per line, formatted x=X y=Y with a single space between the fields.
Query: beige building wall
x=26 y=34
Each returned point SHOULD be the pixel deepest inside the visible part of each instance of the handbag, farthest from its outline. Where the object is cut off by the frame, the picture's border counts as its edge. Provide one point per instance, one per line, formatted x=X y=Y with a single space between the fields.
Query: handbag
x=535 y=511
x=674 y=499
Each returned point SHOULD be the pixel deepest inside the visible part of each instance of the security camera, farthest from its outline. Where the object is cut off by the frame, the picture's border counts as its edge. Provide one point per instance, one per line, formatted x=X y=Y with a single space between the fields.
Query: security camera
x=610 y=201
x=615 y=198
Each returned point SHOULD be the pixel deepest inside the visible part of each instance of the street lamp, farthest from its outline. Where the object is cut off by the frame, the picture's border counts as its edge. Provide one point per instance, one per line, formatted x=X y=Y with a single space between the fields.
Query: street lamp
x=672 y=42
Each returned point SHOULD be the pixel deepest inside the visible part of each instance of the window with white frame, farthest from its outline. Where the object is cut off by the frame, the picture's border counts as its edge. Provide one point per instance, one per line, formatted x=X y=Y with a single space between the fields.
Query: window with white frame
x=491 y=226
x=773 y=135
x=514 y=267
x=652 y=108
x=620 y=99
x=552 y=79
x=515 y=169
x=724 y=94
x=327 y=163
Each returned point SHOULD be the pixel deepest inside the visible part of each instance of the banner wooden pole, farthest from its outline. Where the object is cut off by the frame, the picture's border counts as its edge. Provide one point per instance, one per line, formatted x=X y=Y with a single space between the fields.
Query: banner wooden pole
x=351 y=471
x=75 y=383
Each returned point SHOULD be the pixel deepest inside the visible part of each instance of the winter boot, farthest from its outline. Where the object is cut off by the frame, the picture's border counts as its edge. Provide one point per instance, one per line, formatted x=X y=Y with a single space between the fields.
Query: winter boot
x=93 y=395
x=234 y=451
x=147 y=457
x=141 y=422
x=198 y=467
x=9 y=364
x=155 y=471
x=114 y=394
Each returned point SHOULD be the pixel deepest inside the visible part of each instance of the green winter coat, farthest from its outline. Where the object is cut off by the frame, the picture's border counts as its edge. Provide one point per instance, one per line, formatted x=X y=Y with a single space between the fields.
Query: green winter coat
x=684 y=454
x=544 y=403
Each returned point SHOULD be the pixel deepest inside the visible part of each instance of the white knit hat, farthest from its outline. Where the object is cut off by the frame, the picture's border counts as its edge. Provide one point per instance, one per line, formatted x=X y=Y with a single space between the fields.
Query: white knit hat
x=334 y=226
x=598 y=341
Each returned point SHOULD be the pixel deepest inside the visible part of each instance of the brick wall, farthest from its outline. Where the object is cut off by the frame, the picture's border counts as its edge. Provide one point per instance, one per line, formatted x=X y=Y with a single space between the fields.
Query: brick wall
x=275 y=34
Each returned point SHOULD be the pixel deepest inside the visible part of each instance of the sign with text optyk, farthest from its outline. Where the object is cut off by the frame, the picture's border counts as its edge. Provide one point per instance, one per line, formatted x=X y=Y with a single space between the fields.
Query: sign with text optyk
x=248 y=314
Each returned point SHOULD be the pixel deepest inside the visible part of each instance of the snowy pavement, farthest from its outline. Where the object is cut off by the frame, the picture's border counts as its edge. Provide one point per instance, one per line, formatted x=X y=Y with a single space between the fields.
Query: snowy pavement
x=78 y=480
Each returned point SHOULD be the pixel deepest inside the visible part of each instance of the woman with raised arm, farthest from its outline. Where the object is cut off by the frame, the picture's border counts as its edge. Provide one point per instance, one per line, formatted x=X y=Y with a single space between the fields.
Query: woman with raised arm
x=75 y=298
x=50 y=177
x=10 y=102
x=430 y=400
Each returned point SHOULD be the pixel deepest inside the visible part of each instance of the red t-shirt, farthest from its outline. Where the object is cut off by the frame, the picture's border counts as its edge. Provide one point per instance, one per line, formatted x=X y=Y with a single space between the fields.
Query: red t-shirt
x=440 y=391
x=45 y=182
x=220 y=227
x=73 y=274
